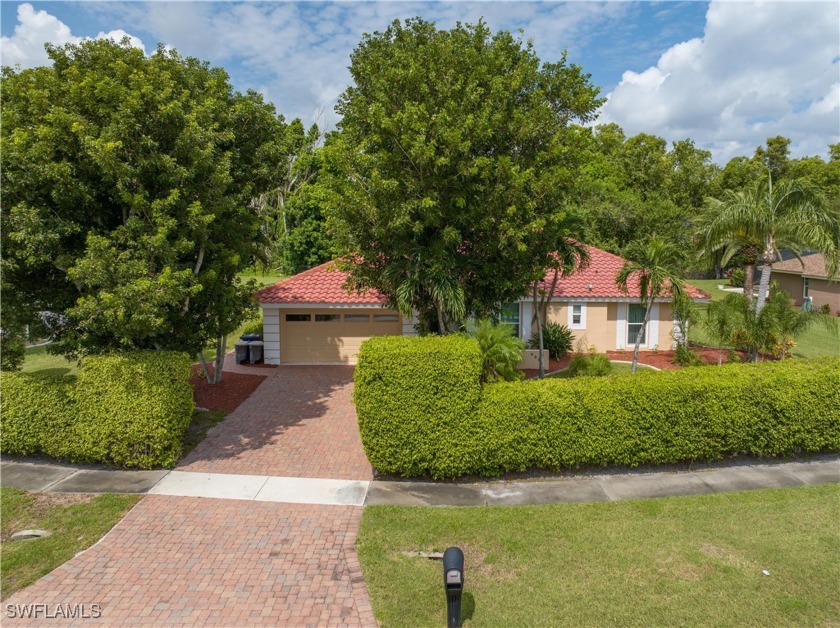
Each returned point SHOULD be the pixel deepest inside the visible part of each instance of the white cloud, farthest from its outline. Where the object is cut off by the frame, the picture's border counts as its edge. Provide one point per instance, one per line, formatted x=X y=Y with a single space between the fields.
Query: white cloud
x=34 y=29
x=37 y=28
x=760 y=69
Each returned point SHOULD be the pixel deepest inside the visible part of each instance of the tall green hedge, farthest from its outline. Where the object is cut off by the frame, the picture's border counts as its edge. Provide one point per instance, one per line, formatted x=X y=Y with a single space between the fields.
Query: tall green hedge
x=125 y=409
x=36 y=413
x=414 y=397
x=422 y=412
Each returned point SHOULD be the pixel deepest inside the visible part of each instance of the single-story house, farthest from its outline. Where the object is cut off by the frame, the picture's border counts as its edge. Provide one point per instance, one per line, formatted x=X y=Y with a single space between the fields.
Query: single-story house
x=808 y=278
x=310 y=318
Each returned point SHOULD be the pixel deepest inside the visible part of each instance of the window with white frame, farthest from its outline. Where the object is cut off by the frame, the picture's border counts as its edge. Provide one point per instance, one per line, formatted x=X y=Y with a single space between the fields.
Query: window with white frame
x=805 y=287
x=577 y=316
x=510 y=316
x=635 y=323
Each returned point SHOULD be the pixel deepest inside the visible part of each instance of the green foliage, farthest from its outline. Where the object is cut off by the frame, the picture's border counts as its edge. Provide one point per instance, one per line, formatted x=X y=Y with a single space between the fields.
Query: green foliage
x=825 y=309
x=737 y=278
x=686 y=357
x=414 y=396
x=593 y=365
x=127 y=186
x=557 y=339
x=129 y=410
x=450 y=166
x=422 y=411
x=501 y=351
x=37 y=414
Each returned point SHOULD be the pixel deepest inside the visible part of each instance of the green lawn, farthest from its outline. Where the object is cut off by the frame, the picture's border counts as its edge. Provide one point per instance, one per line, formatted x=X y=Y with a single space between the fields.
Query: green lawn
x=75 y=526
x=37 y=359
x=682 y=561
x=710 y=286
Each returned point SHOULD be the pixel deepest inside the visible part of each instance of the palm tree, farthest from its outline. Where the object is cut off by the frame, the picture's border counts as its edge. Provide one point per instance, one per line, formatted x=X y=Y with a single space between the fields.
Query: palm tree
x=722 y=319
x=787 y=215
x=501 y=351
x=655 y=265
x=789 y=322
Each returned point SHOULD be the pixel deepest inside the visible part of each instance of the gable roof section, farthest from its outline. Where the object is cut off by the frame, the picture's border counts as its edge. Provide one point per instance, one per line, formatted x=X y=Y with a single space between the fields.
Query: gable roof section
x=811 y=265
x=324 y=285
x=600 y=275
x=321 y=284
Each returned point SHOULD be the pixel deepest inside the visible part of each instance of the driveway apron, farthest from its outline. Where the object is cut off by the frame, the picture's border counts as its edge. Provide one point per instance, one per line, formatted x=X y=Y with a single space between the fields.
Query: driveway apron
x=197 y=561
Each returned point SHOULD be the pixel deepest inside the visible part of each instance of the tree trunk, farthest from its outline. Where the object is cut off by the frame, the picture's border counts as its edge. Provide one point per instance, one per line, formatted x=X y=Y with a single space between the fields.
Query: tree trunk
x=539 y=331
x=749 y=273
x=204 y=367
x=639 y=336
x=220 y=359
x=768 y=258
x=441 y=323
x=720 y=356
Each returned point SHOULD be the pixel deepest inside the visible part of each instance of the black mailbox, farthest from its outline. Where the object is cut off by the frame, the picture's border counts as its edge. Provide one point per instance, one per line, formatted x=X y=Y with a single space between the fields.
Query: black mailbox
x=453 y=580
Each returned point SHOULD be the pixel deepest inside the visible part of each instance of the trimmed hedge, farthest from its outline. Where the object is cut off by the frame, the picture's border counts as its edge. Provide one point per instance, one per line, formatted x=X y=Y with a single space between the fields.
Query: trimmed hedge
x=37 y=413
x=421 y=413
x=414 y=398
x=127 y=409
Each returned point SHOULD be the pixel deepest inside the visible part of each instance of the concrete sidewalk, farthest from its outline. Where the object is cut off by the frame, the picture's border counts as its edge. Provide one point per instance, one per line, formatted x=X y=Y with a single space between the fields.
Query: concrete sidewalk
x=37 y=476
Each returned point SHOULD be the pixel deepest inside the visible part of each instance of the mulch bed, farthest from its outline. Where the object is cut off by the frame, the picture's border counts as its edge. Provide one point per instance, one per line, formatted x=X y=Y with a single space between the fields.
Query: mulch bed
x=661 y=359
x=227 y=394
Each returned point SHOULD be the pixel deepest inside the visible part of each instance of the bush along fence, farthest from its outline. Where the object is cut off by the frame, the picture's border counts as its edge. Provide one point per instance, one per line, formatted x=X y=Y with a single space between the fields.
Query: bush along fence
x=423 y=412
x=127 y=409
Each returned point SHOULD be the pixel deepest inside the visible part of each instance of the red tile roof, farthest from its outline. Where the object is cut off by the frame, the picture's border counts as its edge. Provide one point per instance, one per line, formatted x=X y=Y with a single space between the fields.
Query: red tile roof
x=813 y=265
x=324 y=284
x=597 y=281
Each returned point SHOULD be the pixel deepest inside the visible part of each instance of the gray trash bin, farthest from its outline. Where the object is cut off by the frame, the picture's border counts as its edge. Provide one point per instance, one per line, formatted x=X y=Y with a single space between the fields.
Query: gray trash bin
x=241 y=354
x=255 y=348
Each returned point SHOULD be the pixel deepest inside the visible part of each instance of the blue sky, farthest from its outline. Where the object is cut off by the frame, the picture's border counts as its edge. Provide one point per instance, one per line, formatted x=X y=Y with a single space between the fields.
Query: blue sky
x=728 y=75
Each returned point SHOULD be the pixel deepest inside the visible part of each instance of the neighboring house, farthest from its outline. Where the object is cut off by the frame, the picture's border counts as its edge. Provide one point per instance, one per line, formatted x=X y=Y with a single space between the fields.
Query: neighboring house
x=311 y=319
x=808 y=278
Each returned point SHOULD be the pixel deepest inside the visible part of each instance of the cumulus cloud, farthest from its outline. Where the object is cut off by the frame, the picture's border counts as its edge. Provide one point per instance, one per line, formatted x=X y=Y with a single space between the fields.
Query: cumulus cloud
x=298 y=52
x=37 y=28
x=759 y=70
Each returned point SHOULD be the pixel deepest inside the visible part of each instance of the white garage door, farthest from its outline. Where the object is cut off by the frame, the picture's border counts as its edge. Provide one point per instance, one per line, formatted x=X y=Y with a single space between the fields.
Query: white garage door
x=330 y=336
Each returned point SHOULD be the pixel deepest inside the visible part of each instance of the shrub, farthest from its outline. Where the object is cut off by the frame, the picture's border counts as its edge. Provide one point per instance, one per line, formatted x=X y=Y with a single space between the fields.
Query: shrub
x=414 y=397
x=592 y=365
x=37 y=413
x=737 y=278
x=825 y=309
x=557 y=339
x=686 y=357
x=127 y=409
x=423 y=412
x=732 y=357
x=501 y=351
x=133 y=408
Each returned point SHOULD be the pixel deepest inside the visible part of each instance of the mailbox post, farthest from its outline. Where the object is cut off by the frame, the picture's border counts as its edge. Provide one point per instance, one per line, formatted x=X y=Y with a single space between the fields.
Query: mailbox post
x=453 y=580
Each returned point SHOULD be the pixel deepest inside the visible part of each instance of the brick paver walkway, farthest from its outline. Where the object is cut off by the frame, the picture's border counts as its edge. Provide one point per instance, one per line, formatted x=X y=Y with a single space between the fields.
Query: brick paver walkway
x=300 y=422
x=176 y=561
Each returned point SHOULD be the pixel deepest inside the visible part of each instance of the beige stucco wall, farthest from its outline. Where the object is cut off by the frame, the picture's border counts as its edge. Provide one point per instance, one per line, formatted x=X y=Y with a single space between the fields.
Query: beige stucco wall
x=666 y=326
x=792 y=284
x=601 y=321
x=821 y=290
x=824 y=291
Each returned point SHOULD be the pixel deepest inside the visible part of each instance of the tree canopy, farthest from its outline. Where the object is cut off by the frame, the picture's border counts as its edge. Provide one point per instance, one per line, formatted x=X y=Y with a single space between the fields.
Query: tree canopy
x=451 y=166
x=127 y=186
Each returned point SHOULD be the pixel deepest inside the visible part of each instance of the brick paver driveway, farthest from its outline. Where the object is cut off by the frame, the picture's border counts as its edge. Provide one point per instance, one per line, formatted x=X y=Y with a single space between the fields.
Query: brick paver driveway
x=191 y=561
x=300 y=422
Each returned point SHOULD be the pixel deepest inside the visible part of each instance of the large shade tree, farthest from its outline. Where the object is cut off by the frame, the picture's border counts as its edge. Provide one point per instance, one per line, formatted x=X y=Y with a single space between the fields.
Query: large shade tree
x=450 y=167
x=775 y=216
x=655 y=266
x=127 y=185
